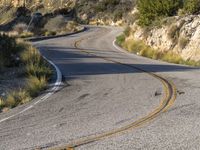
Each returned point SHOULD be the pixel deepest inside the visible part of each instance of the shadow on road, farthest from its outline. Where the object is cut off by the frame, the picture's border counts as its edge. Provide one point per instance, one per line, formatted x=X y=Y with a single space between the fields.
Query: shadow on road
x=74 y=63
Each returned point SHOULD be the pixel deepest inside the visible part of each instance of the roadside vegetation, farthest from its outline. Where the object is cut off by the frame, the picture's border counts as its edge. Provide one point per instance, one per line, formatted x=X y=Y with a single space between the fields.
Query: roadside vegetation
x=140 y=48
x=58 y=26
x=35 y=71
x=152 y=12
x=7 y=14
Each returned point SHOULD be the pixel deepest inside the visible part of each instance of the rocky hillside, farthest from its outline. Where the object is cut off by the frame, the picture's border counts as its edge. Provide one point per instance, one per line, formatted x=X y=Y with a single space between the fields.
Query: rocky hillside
x=169 y=26
x=104 y=11
x=180 y=35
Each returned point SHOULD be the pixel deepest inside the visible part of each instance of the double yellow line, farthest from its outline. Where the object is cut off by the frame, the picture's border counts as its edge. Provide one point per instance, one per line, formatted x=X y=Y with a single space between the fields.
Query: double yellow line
x=170 y=94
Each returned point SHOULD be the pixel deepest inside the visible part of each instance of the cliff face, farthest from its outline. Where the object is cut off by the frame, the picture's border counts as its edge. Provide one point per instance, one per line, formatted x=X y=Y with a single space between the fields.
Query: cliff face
x=180 y=35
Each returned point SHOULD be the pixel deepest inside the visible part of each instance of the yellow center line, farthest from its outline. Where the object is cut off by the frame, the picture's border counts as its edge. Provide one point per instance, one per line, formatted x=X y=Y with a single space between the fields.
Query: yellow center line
x=167 y=101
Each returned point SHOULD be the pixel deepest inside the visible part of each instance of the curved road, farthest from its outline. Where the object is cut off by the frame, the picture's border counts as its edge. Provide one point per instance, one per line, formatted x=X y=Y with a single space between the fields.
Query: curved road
x=99 y=95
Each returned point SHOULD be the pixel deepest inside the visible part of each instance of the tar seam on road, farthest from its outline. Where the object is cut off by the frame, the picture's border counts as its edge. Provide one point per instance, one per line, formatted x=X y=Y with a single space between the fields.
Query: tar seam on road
x=167 y=101
x=46 y=96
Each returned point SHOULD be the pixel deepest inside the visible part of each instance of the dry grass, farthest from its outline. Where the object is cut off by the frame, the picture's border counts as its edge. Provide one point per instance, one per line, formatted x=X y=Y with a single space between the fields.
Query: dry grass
x=140 y=48
x=2 y=103
x=50 y=33
x=38 y=70
x=35 y=64
x=35 y=85
x=26 y=34
x=17 y=98
x=31 y=55
x=120 y=39
x=133 y=46
x=38 y=73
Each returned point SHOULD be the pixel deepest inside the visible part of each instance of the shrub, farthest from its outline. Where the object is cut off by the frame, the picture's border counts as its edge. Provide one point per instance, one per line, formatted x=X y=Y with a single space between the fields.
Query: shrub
x=150 y=10
x=127 y=31
x=2 y=103
x=133 y=46
x=131 y=18
x=55 y=24
x=191 y=6
x=31 y=56
x=8 y=51
x=17 y=97
x=50 y=33
x=120 y=39
x=118 y=14
x=38 y=70
x=36 y=85
x=172 y=58
x=149 y=52
x=35 y=64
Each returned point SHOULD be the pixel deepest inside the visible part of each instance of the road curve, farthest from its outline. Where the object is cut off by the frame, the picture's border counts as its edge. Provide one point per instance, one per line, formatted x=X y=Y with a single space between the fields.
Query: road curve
x=101 y=94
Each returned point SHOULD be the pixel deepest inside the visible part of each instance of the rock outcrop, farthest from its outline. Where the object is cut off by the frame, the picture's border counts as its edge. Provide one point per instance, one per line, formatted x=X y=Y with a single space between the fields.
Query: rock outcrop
x=179 y=34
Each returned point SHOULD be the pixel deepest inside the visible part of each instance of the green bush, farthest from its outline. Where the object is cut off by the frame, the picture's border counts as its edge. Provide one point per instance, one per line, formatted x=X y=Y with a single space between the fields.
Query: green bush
x=127 y=31
x=150 y=10
x=8 y=51
x=191 y=6
x=120 y=39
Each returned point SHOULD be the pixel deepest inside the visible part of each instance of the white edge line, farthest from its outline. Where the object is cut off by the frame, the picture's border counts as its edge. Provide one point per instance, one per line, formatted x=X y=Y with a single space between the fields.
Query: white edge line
x=46 y=96
x=120 y=49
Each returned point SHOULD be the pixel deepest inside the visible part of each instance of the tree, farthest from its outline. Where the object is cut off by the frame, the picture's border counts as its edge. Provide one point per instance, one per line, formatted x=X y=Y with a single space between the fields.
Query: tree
x=150 y=10
x=191 y=6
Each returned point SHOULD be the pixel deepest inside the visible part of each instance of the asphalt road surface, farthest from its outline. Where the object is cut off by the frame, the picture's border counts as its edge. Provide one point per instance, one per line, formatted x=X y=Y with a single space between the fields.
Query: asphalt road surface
x=100 y=94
